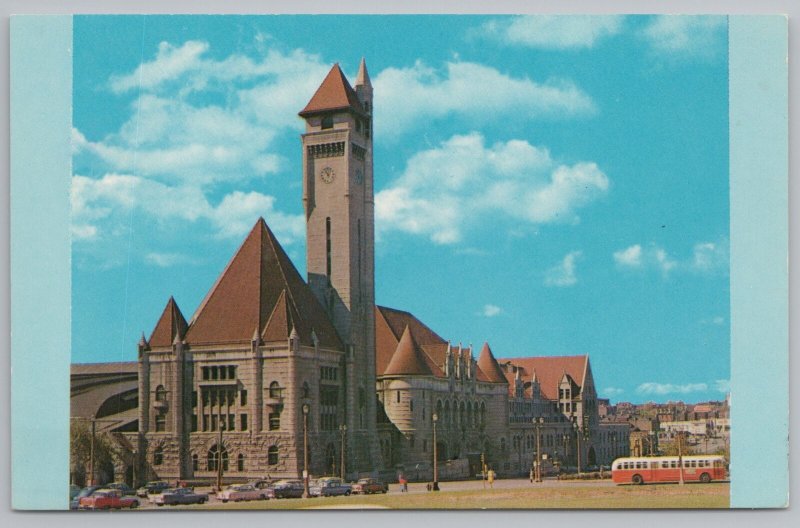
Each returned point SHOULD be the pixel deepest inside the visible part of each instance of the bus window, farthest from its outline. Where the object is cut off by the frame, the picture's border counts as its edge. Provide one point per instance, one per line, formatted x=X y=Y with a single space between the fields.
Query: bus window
x=673 y=464
x=653 y=465
x=701 y=463
x=665 y=464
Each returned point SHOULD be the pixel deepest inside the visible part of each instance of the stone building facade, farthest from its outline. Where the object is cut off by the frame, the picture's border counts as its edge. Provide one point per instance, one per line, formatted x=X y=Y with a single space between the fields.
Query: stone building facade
x=229 y=386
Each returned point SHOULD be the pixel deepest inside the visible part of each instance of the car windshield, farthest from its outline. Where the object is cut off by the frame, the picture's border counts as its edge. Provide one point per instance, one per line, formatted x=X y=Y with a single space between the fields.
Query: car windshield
x=363 y=481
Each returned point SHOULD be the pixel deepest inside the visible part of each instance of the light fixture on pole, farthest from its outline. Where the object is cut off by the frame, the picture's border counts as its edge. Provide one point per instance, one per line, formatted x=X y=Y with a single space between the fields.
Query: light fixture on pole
x=577 y=429
x=538 y=423
x=343 y=430
x=305 y=450
x=435 y=487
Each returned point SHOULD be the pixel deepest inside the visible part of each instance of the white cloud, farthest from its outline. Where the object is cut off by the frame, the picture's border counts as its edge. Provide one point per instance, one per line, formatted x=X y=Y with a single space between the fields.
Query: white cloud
x=669 y=388
x=444 y=189
x=707 y=257
x=165 y=260
x=170 y=63
x=416 y=94
x=563 y=274
x=711 y=256
x=631 y=256
x=490 y=310
x=117 y=194
x=612 y=392
x=722 y=385
x=554 y=31
x=682 y=36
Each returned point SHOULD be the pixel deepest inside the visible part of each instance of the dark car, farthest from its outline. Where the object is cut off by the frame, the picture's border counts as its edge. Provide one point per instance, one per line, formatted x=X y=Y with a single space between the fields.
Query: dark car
x=152 y=488
x=288 y=489
x=74 y=504
x=122 y=487
x=179 y=496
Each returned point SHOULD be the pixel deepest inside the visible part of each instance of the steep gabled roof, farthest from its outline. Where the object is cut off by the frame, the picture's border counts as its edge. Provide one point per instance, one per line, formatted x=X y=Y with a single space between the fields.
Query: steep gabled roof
x=408 y=359
x=390 y=324
x=260 y=285
x=335 y=93
x=170 y=324
x=549 y=371
x=488 y=364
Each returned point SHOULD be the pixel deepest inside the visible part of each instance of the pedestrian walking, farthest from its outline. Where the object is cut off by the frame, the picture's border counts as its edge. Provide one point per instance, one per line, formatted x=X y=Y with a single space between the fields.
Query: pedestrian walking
x=531 y=475
x=490 y=478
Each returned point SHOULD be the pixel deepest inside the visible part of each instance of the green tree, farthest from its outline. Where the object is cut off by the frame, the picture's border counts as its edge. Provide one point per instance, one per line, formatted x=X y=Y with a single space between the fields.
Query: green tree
x=80 y=448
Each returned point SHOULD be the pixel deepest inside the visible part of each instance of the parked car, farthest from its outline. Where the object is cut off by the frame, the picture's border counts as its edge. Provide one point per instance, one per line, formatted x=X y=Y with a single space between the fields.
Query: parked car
x=73 y=491
x=330 y=486
x=241 y=492
x=107 y=499
x=261 y=484
x=121 y=486
x=74 y=504
x=179 y=496
x=153 y=487
x=366 y=486
x=288 y=489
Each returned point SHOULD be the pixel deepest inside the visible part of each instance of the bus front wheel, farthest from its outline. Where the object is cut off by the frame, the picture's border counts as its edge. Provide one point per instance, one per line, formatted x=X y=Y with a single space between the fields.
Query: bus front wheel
x=705 y=478
x=637 y=479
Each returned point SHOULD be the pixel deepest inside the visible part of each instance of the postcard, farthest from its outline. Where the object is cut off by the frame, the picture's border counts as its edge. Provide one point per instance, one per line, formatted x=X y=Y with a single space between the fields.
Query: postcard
x=399 y=262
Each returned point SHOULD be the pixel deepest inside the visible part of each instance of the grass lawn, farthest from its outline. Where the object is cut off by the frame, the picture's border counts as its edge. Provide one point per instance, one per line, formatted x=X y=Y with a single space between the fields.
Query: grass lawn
x=714 y=495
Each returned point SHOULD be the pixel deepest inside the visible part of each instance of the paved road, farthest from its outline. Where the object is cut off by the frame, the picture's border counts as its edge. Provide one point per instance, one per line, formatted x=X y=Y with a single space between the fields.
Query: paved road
x=421 y=487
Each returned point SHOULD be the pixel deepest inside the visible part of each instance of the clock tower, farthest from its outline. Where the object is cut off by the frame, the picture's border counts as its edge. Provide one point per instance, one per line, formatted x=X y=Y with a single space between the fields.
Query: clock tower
x=339 y=207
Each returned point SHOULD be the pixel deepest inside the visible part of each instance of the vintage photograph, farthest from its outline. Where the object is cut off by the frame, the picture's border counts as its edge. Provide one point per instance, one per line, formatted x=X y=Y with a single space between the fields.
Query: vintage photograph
x=403 y=262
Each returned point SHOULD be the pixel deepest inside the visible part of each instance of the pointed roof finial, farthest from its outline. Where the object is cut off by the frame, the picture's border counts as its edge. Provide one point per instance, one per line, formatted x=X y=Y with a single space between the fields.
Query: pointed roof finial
x=293 y=334
x=143 y=341
x=177 y=340
x=256 y=335
x=362 y=79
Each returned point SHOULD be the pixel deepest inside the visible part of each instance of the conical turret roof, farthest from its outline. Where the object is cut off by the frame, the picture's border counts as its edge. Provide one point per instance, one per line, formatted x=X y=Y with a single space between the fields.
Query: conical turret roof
x=335 y=93
x=408 y=359
x=260 y=288
x=169 y=325
x=363 y=75
x=488 y=364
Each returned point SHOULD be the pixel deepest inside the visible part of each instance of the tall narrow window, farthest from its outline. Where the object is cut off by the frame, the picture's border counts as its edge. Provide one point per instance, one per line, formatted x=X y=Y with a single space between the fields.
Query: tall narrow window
x=240 y=462
x=327 y=122
x=272 y=455
x=328 y=247
x=158 y=456
x=358 y=248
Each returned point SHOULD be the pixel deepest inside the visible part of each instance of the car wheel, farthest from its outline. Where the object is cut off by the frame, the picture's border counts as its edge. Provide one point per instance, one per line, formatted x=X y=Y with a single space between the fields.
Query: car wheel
x=637 y=479
x=159 y=504
x=224 y=500
x=705 y=478
x=202 y=501
x=384 y=491
x=134 y=504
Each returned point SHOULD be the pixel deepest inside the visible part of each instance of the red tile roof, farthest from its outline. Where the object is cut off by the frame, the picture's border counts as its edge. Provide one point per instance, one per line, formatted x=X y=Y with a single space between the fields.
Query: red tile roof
x=549 y=371
x=488 y=364
x=261 y=289
x=408 y=359
x=335 y=93
x=169 y=324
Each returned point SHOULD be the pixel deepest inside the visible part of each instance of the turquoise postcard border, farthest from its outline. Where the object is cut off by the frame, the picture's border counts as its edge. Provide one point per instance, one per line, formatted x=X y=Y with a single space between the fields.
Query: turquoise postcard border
x=759 y=168
x=41 y=121
x=41 y=80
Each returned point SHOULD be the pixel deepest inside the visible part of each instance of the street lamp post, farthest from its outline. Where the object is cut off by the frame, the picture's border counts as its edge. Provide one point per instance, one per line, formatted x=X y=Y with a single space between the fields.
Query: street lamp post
x=219 y=457
x=680 y=457
x=343 y=430
x=577 y=429
x=538 y=423
x=305 y=450
x=652 y=438
x=435 y=487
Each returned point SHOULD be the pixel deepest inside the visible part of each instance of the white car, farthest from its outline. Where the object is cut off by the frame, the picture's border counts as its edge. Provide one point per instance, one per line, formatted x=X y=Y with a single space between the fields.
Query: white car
x=241 y=492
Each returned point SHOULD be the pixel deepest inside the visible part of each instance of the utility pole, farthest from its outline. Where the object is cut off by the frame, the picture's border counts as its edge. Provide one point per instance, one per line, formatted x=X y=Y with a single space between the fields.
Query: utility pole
x=305 y=408
x=483 y=470
x=680 y=457
x=435 y=456
x=91 y=453
x=538 y=422
x=219 y=457
x=343 y=430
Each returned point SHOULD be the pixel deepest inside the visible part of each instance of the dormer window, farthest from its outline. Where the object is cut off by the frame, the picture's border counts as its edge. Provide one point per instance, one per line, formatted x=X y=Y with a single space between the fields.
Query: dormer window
x=327 y=122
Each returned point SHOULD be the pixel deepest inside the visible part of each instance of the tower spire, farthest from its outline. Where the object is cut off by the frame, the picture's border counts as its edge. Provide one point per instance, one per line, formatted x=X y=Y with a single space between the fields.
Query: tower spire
x=362 y=79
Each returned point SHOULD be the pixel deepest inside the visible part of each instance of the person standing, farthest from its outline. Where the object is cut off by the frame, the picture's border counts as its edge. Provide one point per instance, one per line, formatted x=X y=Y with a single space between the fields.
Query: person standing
x=490 y=478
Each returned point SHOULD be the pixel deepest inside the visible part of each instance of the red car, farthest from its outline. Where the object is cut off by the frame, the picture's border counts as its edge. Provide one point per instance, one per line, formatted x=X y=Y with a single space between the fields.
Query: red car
x=368 y=485
x=107 y=499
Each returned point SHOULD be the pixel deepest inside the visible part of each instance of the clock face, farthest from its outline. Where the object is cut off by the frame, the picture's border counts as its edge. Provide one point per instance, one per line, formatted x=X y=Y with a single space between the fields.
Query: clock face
x=359 y=176
x=327 y=175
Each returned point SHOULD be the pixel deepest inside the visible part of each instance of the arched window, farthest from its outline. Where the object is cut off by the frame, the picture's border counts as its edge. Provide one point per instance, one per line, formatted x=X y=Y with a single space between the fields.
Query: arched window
x=398 y=396
x=306 y=390
x=446 y=412
x=502 y=444
x=240 y=462
x=272 y=455
x=483 y=414
x=161 y=393
x=158 y=456
x=195 y=462
x=274 y=390
x=214 y=457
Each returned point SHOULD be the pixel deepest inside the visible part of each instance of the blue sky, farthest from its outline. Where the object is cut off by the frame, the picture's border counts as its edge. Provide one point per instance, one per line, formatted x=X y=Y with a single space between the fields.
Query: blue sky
x=552 y=185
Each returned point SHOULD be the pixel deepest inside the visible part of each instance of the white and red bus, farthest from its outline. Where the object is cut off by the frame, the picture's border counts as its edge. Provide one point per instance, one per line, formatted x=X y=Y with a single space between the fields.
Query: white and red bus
x=696 y=468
